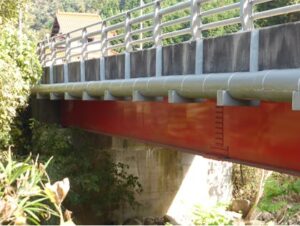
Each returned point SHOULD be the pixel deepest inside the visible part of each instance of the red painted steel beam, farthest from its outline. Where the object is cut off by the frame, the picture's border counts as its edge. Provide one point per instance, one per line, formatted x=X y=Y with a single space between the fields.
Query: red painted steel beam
x=267 y=136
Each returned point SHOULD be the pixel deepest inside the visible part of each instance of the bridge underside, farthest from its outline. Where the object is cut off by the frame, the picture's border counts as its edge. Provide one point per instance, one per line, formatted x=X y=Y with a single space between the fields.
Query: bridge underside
x=266 y=136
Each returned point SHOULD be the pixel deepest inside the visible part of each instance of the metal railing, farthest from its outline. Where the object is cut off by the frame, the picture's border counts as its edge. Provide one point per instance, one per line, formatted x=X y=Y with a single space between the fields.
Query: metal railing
x=132 y=30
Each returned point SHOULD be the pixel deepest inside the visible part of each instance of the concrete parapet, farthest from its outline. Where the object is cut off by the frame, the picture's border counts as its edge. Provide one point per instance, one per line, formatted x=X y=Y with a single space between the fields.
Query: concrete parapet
x=58 y=74
x=92 y=70
x=179 y=59
x=115 y=67
x=230 y=53
x=142 y=63
x=279 y=47
x=74 y=71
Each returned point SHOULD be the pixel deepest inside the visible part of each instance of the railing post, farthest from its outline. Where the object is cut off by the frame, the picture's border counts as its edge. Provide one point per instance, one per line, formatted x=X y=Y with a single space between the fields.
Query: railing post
x=246 y=10
x=195 y=19
x=52 y=62
x=103 y=49
x=128 y=47
x=141 y=24
x=67 y=57
x=157 y=39
x=83 y=55
x=197 y=35
x=42 y=53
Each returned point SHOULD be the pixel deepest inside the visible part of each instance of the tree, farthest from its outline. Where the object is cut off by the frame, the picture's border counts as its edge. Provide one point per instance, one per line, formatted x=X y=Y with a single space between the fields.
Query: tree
x=9 y=9
x=291 y=17
x=19 y=67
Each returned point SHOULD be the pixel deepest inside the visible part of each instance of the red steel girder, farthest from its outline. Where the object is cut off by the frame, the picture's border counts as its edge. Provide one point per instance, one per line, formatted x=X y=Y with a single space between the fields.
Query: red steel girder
x=267 y=136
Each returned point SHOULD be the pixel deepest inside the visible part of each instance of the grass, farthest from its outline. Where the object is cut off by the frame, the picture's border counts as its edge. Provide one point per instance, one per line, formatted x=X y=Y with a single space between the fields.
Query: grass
x=281 y=191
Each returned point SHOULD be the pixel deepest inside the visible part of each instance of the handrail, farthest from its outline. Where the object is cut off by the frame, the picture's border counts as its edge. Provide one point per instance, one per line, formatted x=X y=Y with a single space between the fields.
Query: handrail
x=121 y=30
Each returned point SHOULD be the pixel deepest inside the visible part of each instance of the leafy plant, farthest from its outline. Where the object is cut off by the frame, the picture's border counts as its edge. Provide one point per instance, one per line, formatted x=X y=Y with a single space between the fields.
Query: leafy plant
x=211 y=216
x=19 y=69
x=26 y=195
x=99 y=185
x=280 y=190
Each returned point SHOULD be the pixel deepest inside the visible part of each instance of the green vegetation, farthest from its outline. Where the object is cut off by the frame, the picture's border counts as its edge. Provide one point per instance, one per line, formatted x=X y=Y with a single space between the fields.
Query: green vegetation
x=281 y=192
x=19 y=68
x=41 y=17
x=212 y=216
x=27 y=197
x=108 y=182
x=9 y=9
x=291 y=17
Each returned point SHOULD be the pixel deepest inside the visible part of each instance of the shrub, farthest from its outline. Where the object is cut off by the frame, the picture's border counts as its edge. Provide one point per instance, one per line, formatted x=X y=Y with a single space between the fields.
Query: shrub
x=99 y=185
x=19 y=69
x=280 y=190
x=26 y=195
x=211 y=216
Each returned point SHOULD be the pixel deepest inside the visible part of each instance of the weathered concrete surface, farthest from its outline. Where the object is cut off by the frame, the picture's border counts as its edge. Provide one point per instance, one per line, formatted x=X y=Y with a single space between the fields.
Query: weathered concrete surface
x=45 y=76
x=173 y=181
x=92 y=70
x=115 y=67
x=142 y=63
x=230 y=53
x=179 y=59
x=279 y=47
x=58 y=74
x=74 y=71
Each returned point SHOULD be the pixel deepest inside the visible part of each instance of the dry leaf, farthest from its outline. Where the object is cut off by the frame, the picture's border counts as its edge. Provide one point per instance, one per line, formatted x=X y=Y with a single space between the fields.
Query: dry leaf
x=58 y=191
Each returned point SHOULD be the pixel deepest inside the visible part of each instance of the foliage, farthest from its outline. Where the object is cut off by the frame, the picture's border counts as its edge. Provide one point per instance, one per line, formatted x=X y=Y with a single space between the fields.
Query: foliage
x=279 y=191
x=291 y=17
x=211 y=216
x=9 y=9
x=26 y=195
x=93 y=174
x=19 y=68
x=245 y=181
x=42 y=16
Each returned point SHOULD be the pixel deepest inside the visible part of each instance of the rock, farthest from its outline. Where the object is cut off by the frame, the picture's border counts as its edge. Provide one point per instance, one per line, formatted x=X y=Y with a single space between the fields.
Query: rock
x=149 y=221
x=293 y=220
x=266 y=217
x=132 y=221
x=255 y=222
x=171 y=220
x=241 y=206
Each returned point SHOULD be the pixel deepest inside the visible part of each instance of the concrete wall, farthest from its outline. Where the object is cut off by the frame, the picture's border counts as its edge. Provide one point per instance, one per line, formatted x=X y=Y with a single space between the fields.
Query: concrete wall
x=279 y=47
x=173 y=181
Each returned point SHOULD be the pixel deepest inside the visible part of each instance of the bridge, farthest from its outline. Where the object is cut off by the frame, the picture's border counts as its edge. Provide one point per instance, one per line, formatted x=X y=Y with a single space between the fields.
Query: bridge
x=235 y=97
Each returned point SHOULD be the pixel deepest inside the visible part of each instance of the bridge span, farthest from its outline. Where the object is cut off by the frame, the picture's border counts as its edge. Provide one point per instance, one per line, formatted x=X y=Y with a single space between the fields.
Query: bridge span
x=235 y=97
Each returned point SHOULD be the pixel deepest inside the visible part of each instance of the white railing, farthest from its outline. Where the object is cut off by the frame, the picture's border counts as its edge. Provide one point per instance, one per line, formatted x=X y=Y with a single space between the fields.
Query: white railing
x=133 y=30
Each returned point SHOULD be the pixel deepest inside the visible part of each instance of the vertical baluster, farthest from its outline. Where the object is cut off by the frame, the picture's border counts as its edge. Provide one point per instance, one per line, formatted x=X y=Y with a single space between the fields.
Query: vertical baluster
x=83 y=55
x=103 y=48
x=246 y=10
x=52 y=61
x=67 y=58
x=128 y=46
x=43 y=54
x=195 y=19
x=141 y=24
x=157 y=39
x=197 y=35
